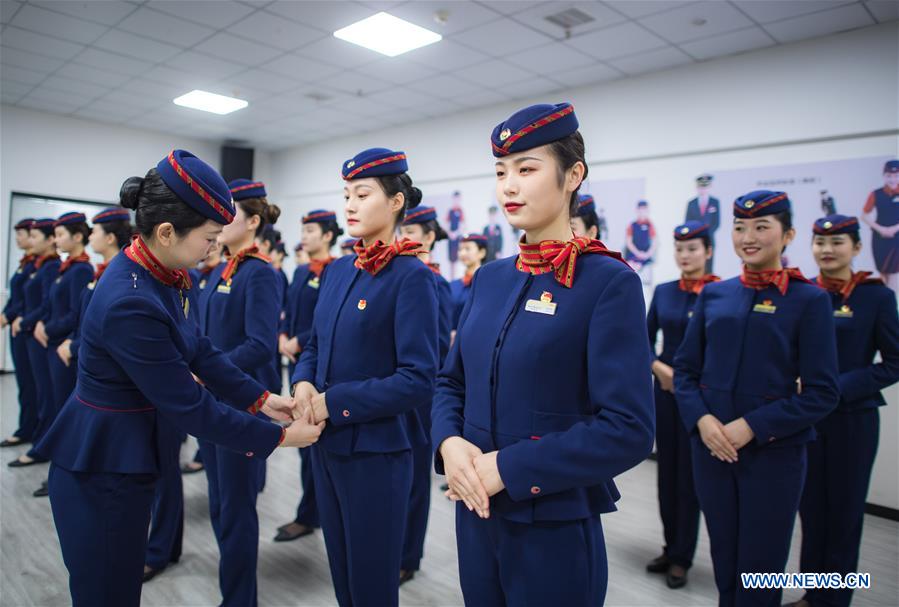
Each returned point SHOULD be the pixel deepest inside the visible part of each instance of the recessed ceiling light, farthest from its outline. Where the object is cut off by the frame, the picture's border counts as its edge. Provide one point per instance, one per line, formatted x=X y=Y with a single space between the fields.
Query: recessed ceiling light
x=387 y=35
x=210 y=102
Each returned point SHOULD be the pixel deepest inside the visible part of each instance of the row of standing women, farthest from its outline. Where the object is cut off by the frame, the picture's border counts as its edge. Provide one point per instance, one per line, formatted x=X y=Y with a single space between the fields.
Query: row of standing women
x=528 y=381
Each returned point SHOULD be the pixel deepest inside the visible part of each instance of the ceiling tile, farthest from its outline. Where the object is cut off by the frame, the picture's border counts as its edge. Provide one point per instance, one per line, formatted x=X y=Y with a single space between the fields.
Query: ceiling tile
x=494 y=73
x=446 y=55
x=87 y=90
x=440 y=107
x=57 y=25
x=21 y=75
x=512 y=7
x=728 y=44
x=397 y=70
x=616 y=41
x=363 y=106
x=326 y=15
x=480 y=98
x=445 y=85
x=37 y=43
x=550 y=58
x=641 y=8
x=590 y=74
x=300 y=68
x=651 y=61
x=695 y=21
x=89 y=74
x=66 y=101
x=137 y=101
x=819 y=24
x=354 y=83
x=55 y=106
x=769 y=11
x=105 y=60
x=132 y=45
x=459 y=15
x=206 y=66
x=31 y=61
x=332 y=51
x=275 y=31
x=13 y=88
x=106 y=108
x=8 y=8
x=180 y=81
x=89 y=112
x=404 y=98
x=501 y=37
x=602 y=16
x=165 y=28
x=107 y=13
x=532 y=87
x=198 y=11
x=262 y=81
x=884 y=10
x=238 y=50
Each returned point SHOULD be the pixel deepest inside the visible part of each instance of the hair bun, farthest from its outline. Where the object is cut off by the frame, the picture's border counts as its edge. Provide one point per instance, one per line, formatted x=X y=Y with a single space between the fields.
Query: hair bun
x=272 y=213
x=129 y=193
x=415 y=197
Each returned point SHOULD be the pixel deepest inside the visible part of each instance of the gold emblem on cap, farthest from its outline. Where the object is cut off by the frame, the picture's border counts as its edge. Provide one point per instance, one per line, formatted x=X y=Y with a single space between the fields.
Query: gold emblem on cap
x=505 y=134
x=749 y=204
x=546 y=297
x=827 y=225
x=351 y=164
x=685 y=230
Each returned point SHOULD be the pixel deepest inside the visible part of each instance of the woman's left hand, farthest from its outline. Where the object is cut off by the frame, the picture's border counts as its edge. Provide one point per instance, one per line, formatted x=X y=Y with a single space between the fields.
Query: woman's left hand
x=40 y=334
x=320 y=408
x=488 y=471
x=738 y=433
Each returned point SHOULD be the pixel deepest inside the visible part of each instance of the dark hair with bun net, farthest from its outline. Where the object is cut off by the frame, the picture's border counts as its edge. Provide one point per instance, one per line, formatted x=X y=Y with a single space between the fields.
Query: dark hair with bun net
x=154 y=203
x=402 y=183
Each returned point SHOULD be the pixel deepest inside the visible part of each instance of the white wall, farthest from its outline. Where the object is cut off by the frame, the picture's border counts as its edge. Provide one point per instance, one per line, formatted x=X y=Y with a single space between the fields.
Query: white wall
x=825 y=99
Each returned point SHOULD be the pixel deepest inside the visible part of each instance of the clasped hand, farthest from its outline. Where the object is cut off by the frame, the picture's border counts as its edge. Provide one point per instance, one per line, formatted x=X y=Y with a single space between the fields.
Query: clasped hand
x=472 y=475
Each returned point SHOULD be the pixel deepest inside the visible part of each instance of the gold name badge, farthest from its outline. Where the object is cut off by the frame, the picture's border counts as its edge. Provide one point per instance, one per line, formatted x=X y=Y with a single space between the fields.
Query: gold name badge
x=844 y=312
x=91 y=285
x=766 y=307
x=223 y=289
x=314 y=283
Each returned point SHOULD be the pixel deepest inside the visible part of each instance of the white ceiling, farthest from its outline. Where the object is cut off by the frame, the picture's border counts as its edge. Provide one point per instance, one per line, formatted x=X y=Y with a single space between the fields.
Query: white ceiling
x=123 y=62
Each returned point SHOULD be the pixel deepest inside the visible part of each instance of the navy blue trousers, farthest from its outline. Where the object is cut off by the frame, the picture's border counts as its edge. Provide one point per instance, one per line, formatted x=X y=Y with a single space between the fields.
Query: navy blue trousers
x=678 y=505
x=750 y=508
x=362 y=501
x=833 y=502
x=234 y=481
x=502 y=562
x=40 y=371
x=307 y=510
x=102 y=520
x=27 y=388
x=167 y=516
x=419 y=506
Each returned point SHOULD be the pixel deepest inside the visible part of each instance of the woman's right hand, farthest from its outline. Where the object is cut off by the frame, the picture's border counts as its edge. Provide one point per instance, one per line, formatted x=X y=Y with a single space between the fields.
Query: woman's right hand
x=303 y=394
x=16 y=326
x=665 y=374
x=302 y=432
x=458 y=462
x=711 y=430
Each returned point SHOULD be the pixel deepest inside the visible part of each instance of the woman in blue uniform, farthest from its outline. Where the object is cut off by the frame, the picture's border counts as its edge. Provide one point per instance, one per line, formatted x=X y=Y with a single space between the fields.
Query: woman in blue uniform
x=369 y=364
x=472 y=254
x=137 y=353
x=756 y=370
x=584 y=222
x=670 y=310
x=881 y=213
x=840 y=460
x=320 y=232
x=36 y=293
x=11 y=311
x=347 y=247
x=538 y=406
x=239 y=313
x=420 y=225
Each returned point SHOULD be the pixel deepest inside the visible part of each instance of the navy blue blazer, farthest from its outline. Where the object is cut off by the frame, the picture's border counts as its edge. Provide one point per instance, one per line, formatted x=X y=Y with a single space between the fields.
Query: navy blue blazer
x=868 y=324
x=743 y=352
x=373 y=350
x=137 y=353
x=37 y=294
x=566 y=398
x=302 y=295
x=241 y=319
x=444 y=318
x=460 y=296
x=15 y=305
x=65 y=301
x=670 y=311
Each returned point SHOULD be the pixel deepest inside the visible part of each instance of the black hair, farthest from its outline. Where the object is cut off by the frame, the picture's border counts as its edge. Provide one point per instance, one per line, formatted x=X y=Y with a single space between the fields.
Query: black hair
x=78 y=228
x=268 y=213
x=590 y=221
x=568 y=152
x=402 y=183
x=434 y=227
x=122 y=230
x=271 y=236
x=855 y=237
x=331 y=226
x=785 y=218
x=48 y=231
x=155 y=203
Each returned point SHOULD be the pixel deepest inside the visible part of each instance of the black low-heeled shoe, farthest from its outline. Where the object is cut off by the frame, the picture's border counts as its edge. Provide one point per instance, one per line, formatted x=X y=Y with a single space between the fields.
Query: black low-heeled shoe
x=676 y=581
x=660 y=564
x=406 y=576
x=286 y=536
x=13 y=443
x=43 y=491
x=18 y=464
x=149 y=575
